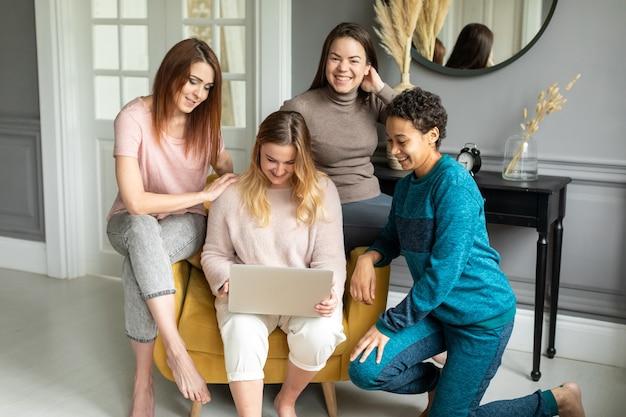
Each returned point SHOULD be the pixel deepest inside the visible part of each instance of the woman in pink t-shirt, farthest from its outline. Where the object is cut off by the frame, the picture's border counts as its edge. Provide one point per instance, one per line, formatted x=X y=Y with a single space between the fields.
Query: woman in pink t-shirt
x=165 y=145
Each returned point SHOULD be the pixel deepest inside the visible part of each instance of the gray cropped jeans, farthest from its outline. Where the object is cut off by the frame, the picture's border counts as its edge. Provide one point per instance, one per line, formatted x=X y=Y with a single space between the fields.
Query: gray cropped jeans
x=150 y=247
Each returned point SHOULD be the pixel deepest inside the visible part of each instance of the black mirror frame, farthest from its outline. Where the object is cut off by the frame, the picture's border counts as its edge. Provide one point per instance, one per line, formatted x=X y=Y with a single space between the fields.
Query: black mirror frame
x=473 y=72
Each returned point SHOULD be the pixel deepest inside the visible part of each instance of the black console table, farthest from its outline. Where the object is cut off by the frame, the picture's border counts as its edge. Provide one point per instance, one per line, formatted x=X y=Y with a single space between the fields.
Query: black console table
x=538 y=204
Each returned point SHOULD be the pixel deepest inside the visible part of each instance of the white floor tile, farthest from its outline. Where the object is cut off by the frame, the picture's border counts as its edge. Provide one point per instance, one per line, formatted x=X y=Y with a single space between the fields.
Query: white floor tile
x=63 y=353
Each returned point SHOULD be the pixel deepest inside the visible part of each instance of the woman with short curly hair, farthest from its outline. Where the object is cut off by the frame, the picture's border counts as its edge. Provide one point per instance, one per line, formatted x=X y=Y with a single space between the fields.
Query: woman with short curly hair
x=460 y=302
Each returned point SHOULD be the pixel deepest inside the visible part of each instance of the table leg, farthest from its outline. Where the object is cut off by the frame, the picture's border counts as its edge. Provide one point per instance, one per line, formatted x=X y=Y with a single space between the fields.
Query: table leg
x=540 y=293
x=557 y=242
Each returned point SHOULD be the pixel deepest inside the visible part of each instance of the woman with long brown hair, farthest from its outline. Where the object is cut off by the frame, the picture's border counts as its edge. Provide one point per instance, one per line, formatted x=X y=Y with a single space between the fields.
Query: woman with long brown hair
x=342 y=109
x=165 y=145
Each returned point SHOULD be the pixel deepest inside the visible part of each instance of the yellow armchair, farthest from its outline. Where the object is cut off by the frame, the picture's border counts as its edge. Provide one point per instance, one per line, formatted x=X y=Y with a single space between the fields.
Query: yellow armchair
x=197 y=324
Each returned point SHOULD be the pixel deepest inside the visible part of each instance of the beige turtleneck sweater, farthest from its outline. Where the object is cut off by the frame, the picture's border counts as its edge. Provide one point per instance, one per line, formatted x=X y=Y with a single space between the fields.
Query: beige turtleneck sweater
x=344 y=136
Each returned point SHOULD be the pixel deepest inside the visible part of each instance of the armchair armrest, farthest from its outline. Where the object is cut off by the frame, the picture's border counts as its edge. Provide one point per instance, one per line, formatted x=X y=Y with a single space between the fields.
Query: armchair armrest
x=181 y=271
x=360 y=316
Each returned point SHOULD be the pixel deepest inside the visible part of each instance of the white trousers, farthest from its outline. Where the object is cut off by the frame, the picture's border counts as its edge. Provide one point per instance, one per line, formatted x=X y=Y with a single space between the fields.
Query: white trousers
x=311 y=340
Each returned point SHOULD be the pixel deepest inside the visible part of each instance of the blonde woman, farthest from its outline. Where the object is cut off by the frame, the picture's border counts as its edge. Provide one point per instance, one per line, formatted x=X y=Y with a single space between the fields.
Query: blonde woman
x=282 y=212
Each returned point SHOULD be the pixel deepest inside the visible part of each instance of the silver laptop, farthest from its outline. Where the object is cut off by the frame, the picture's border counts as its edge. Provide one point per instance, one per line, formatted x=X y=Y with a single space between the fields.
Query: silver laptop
x=286 y=291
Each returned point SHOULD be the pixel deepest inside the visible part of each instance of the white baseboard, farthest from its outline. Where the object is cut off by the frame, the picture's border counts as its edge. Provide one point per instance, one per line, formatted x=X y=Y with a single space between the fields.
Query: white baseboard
x=576 y=338
x=23 y=255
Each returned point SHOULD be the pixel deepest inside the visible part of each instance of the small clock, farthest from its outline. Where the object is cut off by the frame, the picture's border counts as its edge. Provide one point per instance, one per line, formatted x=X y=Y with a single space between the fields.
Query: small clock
x=469 y=157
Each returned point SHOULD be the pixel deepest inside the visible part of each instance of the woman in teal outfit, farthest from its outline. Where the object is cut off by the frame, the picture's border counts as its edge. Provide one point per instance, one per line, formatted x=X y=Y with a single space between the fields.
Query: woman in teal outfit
x=460 y=302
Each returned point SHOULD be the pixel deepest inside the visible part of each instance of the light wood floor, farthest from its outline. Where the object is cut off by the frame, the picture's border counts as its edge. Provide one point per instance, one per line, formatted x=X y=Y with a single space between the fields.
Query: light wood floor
x=63 y=353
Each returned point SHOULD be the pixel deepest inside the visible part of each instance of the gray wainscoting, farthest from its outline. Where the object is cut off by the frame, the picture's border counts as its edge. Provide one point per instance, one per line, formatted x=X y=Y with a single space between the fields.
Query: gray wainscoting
x=21 y=189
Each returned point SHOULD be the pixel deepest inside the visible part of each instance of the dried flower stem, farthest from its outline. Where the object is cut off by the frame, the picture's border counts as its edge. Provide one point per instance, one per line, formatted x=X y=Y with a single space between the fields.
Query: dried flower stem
x=429 y=25
x=548 y=102
x=397 y=20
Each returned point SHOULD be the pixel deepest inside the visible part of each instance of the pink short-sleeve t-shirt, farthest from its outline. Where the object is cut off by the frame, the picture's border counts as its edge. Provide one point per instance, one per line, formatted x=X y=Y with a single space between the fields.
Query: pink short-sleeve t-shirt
x=165 y=168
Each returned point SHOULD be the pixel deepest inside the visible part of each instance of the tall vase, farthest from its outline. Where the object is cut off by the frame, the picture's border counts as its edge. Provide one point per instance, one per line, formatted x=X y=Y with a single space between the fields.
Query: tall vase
x=405 y=68
x=520 y=161
x=405 y=83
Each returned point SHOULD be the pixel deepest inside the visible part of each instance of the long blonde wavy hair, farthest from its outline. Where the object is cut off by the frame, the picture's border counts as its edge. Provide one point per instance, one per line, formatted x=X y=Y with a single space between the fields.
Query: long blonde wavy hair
x=284 y=128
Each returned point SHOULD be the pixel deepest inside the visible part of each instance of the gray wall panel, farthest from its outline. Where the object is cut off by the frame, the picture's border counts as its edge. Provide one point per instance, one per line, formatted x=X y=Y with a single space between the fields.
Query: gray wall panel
x=21 y=205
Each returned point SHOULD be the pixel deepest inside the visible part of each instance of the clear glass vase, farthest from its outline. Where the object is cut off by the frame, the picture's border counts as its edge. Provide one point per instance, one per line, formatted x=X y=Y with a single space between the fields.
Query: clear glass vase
x=520 y=161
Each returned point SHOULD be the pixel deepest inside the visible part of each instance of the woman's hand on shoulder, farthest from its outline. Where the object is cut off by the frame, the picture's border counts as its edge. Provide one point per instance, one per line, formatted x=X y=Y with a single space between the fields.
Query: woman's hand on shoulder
x=372 y=83
x=216 y=187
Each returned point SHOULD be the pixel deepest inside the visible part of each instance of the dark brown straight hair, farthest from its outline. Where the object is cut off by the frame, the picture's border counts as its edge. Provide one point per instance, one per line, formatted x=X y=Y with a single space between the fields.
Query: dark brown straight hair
x=472 y=47
x=345 y=30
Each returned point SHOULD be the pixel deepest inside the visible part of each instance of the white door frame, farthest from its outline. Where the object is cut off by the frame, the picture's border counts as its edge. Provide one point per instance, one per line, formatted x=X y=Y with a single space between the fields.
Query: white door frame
x=63 y=253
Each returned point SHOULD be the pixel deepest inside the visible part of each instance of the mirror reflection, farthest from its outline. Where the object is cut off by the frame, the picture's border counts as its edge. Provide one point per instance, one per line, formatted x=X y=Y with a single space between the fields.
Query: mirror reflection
x=473 y=48
x=479 y=36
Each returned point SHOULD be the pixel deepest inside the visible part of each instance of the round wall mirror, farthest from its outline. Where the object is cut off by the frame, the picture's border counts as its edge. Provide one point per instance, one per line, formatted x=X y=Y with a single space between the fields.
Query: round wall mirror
x=516 y=26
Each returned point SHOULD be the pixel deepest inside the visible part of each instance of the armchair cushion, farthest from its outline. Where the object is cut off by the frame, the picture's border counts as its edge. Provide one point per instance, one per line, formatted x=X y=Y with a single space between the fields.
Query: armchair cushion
x=198 y=327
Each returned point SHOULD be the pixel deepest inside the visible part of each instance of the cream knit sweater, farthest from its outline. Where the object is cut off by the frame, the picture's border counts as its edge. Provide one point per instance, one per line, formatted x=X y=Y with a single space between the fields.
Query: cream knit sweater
x=234 y=237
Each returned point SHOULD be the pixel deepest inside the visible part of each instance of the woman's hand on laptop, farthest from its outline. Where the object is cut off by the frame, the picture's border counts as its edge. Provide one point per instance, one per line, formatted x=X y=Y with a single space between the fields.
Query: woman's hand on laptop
x=223 y=291
x=327 y=307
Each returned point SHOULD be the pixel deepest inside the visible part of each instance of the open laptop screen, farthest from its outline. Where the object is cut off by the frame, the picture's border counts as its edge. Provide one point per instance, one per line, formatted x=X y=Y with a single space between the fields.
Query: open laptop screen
x=286 y=291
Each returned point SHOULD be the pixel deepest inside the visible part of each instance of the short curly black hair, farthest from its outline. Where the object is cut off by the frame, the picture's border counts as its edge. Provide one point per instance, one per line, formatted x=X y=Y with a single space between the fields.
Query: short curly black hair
x=423 y=108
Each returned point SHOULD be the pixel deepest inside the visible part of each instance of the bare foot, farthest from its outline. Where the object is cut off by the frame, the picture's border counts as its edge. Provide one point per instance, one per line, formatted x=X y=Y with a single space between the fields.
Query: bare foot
x=569 y=400
x=189 y=381
x=283 y=409
x=431 y=395
x=143 y=400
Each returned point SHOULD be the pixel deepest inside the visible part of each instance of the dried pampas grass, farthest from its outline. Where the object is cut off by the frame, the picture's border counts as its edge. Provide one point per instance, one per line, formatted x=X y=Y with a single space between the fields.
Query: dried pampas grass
x=429 y=25
x=398 y=20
